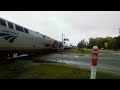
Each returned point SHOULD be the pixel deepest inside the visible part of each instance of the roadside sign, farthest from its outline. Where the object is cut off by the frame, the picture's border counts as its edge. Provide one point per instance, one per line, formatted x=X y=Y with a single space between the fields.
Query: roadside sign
x=106 y=44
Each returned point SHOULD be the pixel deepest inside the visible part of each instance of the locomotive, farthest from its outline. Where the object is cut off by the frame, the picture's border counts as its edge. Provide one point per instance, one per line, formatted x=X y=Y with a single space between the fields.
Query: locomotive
x=15 y=38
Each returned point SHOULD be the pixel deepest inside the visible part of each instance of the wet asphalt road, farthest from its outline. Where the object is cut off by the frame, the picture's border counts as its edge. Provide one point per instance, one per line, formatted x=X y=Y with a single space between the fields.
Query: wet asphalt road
x=107 y=62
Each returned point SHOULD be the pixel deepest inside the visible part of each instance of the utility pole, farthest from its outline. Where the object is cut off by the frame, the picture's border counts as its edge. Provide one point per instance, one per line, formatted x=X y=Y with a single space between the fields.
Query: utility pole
x=119 y=31
x=63 y=41
x=62 y=38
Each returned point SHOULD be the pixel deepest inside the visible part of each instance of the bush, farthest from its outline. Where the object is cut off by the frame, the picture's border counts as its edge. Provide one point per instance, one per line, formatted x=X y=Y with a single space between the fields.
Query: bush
x=81 y=49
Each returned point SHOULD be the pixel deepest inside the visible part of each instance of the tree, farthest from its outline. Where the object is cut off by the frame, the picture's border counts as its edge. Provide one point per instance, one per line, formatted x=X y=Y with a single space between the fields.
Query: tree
x=100 y=42
x=118 y=42
x=114 y=45
x=108 y=42
x=82 y=44
x=91 y=43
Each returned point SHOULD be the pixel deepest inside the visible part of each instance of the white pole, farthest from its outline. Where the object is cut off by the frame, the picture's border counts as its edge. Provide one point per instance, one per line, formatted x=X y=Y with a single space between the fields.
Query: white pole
x=94 y=62
x=93 y=72
x=62 y=48
x=62 y=38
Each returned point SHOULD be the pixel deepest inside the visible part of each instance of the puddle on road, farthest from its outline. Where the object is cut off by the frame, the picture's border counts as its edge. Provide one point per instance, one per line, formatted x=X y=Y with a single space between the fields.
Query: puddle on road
x=76 y=56
x=71 y=62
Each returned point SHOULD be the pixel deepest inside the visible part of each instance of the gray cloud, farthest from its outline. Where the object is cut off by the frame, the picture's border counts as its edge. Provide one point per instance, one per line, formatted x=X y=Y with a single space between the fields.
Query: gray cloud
x=76 y=25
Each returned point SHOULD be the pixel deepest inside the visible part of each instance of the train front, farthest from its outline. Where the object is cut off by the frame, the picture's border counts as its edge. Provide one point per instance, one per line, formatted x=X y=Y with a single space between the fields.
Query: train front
x=56 y=45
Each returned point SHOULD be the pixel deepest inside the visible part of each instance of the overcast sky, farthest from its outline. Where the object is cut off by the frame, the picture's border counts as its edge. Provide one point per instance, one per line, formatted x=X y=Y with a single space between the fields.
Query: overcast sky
x=76 y=25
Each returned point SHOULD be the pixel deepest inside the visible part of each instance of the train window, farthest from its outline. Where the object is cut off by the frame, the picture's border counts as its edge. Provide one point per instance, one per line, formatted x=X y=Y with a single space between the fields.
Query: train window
x=2 y=22
x=19 y=28
x=10 y=25
x=43 y=36
x=26 y=30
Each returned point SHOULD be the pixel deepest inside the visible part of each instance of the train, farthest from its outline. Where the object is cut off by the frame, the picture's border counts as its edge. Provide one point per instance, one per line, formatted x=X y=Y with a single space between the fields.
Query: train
x=15 y=38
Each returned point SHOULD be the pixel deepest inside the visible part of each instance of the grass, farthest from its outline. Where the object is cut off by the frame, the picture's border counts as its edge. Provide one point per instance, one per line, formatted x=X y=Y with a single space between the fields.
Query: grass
x=78 y=51
x=47 y=71
x=83 y=51
x=28 y=70
x=11 y=70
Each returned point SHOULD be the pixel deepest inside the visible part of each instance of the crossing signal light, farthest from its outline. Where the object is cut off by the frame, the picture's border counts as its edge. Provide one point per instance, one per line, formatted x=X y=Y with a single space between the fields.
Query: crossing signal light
x=66 y=39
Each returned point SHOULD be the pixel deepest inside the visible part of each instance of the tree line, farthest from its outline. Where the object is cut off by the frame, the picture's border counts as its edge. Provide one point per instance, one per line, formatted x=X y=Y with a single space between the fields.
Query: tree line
x=102 y=43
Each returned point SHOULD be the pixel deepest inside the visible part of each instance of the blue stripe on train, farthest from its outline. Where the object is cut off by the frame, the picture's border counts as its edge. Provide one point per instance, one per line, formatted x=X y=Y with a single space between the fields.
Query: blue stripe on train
x=8 y=37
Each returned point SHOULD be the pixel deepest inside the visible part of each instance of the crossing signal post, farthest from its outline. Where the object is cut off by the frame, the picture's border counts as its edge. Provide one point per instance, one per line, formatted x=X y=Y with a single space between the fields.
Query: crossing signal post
x=62 y=48
x=63 y=42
